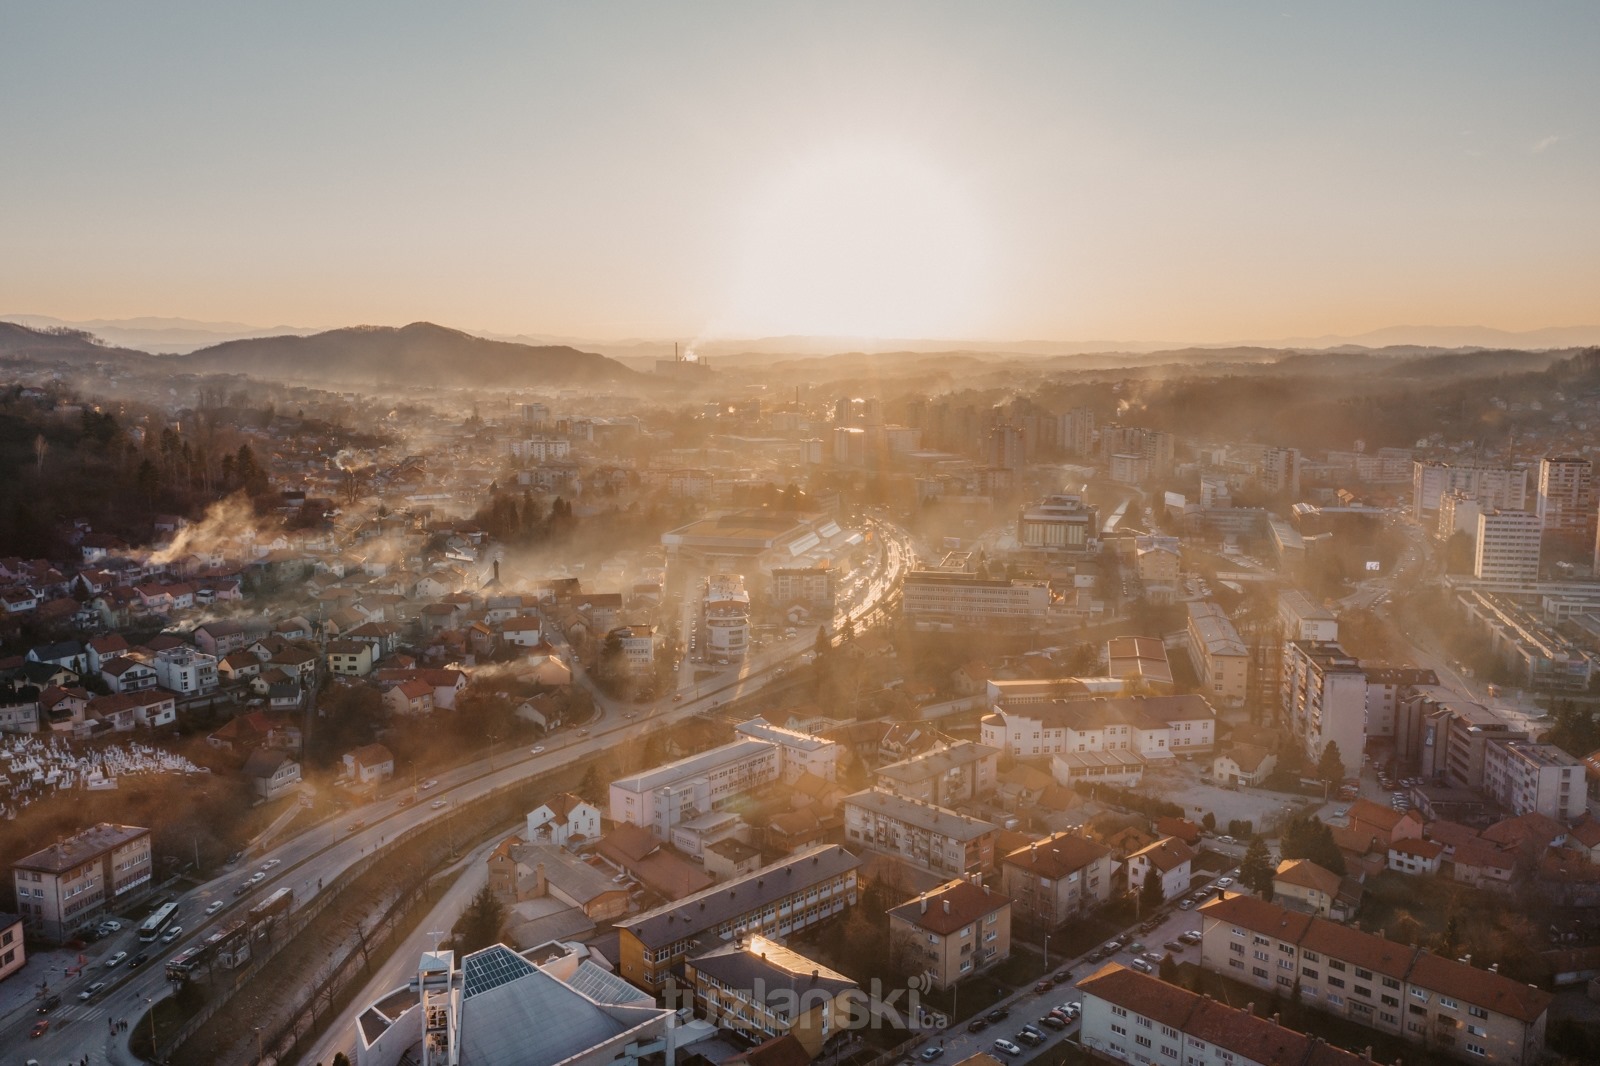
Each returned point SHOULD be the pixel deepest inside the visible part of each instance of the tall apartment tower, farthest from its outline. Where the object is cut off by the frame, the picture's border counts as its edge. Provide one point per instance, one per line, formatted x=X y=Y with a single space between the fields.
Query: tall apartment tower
x=1508 y=546
x=1280 y=470
x=1007 y=448
x=1566 y=496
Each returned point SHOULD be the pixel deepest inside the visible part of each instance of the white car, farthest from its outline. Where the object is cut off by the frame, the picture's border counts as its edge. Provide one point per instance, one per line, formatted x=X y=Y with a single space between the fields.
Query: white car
x=1007 y=1047
x=89 y=993
x=1224 y=882
x=172 y=934
x=429 y=783
x=436 y=805
x=116 y=960
x=270 y=863
x=214 y=906
x=538 y=749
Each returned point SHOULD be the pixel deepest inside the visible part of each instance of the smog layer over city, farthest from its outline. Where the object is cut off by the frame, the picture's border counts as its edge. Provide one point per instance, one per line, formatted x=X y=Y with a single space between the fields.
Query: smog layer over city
x=627 y=534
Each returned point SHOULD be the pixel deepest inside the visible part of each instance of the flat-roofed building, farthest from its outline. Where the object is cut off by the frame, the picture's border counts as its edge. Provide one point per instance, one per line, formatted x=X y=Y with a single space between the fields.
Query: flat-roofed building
x=1133 y=1017
x=1448 y=737
x=67 y=885
x=1386 y=687
x=1058 y=878
x=680 y=791
x=799 y=753
x=1565 y=502
x=934 y=838
x=1220 y=657
x=1140 y=661
x=808 y=585
x=946 y=774
x=751 y=540
x=950 y=933
x=1446 y=1005
x=776 y=900
x=1507 y=548
x=725 y=609
x=956 y=599
x=1534 y=778
x=1324 y=700
x=1494 y=486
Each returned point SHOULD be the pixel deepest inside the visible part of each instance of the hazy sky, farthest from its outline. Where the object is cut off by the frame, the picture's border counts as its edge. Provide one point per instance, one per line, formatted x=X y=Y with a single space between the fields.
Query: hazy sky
x=1120 y=170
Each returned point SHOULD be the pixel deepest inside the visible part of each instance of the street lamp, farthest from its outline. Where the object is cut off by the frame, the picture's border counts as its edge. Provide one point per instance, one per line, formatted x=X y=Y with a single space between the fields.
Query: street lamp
x=150 y=1005
x=1047 y=951
x=260 y=1055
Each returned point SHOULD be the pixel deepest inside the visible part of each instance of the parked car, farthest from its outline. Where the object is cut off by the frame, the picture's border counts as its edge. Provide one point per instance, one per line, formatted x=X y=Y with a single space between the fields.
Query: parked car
x=1030 y=1038
x=1006 y=1047
x=1174 y=945
x=1054 y=1021
x=931 y=1052
x=978 y=1024
x=1141 y=966
x=1042 y=987
x=1155 y=957
x=1061 y=977
x=1185 y=904
x=999 y=1014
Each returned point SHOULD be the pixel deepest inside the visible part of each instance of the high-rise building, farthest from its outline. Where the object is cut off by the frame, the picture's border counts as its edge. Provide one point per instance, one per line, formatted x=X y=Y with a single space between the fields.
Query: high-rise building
x=1007 y=447
x=1325 y=700
x=1566 y=496
x=1508 y=546
x=1280 y=470
x=1494 y=486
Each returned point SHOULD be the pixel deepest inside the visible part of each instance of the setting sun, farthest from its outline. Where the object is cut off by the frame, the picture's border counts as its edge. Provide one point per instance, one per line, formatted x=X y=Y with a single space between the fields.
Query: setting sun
x=860 y=242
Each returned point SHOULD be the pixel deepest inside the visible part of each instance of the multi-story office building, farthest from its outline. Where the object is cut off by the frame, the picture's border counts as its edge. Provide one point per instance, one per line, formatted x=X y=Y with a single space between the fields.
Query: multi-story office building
x=1220 y=657
x=952 y=599
x=1494 y=486
x=726 y=613
x=951 y=932
x=1324 y=700
x=1153 y=727
x=947 y=774
x=1057 y=878
x=1527 y=778
x=1409 y=992
x=681 y=791
x=1062 y=523
x=809 y=585
x=1133 y=1017
x=1386 y=687
x=776 y=900
x=73 y=881
x=1448 y=737
x=1565 y=503
x=1507 y=548
x=935 y=838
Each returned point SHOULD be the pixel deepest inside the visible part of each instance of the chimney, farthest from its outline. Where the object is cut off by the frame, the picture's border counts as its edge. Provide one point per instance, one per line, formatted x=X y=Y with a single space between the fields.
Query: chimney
x=1366 y=1052
x=947 y=906
x=924 y=905
x=1273 y=1019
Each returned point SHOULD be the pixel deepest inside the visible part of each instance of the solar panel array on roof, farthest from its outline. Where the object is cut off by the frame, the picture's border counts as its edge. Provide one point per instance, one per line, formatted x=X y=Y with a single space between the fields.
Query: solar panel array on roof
x=491 y=968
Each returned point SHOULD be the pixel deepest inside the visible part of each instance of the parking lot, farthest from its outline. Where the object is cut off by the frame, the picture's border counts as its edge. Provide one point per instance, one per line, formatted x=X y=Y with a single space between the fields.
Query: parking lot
x=1185 y=784
x=1142 y=945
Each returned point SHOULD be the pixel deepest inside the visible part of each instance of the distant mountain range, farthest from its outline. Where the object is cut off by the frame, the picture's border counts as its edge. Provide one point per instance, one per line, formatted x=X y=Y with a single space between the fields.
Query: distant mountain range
x=419 y=354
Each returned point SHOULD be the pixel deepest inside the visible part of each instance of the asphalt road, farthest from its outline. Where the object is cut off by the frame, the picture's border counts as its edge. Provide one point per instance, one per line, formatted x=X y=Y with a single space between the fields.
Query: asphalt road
x=82 y=1029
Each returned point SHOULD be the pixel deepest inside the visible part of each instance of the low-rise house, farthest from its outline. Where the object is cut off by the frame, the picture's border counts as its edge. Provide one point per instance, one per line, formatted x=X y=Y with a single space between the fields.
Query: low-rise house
x=409 y=697
x=637 y=852
x=1244 y=765
x=128 y=674
x=63 y=709
x=1415 y=856
x=67 y=653
x=371 y=764
x=123 y=711
x=541 y=870
x=729 y=858
x=1482 y=865
x=220 y=638
x=102 y=649
x=947 y=774
x=237 y=667
x=1302 y=885
x=934 y=838
x=272 y=774
x=1385 y=824
x=351 y=658
x=950 y=933
x=564 y=819
x=1169 y=859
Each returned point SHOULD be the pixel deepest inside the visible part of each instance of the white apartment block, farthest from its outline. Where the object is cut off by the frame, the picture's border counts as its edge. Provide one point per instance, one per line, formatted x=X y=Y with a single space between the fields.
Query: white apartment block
x=681 y=791
x=1529 y=778
x=1220 y=657
x=638 y=647
x=1153 y=727
x=1429 y=999
x=1324 y=700
x=1133 y=1017
x=541 y=449
x=1496 y=486
x=1507 y=547
x=1303 y=620
x=1565 y=502
x=800 y=753
x=186 y=671
x=934 y=838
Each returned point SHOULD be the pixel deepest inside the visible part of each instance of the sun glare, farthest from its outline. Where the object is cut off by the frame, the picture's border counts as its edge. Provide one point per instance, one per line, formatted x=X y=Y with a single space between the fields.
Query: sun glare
x=860 y=243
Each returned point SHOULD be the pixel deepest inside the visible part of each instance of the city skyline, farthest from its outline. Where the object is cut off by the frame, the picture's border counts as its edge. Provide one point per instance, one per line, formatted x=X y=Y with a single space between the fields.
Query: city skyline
x=1071 y=173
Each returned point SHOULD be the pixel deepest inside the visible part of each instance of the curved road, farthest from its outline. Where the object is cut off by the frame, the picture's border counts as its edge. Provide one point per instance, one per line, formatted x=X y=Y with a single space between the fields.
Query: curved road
x=80 y=1029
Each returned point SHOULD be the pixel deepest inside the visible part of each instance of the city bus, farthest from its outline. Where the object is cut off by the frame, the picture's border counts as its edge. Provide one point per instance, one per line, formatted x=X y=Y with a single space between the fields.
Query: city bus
x=152 y=926
x=184 y=963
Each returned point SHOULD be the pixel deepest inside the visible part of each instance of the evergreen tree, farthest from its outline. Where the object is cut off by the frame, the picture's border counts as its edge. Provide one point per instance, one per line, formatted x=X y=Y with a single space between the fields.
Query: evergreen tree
x=481 y=922
x=1330 y=767
x=1151 y=894
x=1256 y=871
